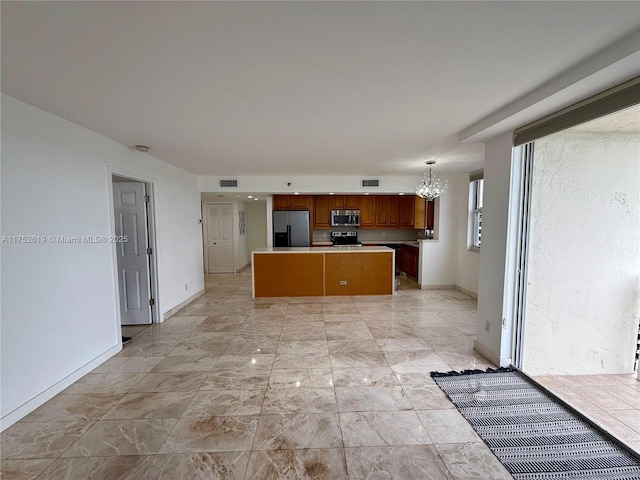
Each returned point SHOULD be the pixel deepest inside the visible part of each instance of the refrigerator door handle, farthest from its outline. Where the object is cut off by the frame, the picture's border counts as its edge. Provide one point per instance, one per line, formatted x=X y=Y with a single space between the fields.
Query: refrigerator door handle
x=288 y=235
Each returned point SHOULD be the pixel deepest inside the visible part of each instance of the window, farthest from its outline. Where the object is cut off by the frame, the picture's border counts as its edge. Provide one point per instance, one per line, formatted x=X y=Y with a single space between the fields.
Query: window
x=476 y=191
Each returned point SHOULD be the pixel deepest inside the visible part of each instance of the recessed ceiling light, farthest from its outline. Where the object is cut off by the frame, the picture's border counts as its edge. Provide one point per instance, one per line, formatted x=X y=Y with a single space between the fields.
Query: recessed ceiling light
x=141 y=148
x=256 y=198
x=249 y=196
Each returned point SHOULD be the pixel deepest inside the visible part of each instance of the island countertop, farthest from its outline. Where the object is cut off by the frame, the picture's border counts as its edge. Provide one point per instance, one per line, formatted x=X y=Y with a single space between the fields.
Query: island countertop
x=327 y=249
x=319 y=271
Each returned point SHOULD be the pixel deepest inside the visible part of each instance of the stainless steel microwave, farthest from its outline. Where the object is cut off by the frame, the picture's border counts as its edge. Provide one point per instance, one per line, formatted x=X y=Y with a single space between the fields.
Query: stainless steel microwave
x=345 y=218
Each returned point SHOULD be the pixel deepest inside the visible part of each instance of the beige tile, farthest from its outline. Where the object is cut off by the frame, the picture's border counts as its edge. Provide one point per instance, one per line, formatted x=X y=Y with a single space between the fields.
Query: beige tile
x=40 y=440
x=300 y=347
x=23 y=469
x=325 y=464
x=419 y=375
x=301 y=378
x=602 y=399
x=105 y=383
x=413 y=357
x=63 y=407
x=427 y=397
x=472 y=461
x=211 y=434
x=170 y=382
x=150 y=405
x=353 y=346
x=197 y=466
x=348 y=331
x=447 y=426
x=293 y=360
x=299 y=400
x=99 y=468
x=122 y=437
x=371 y=399
x=396 y=463
x=296 y=431
x=358 y=359
x=234 y=378
x=367 y=429
x=402 y=344
x=225 y=403
x=186 y=363
x=363 y=377
x=128 y=365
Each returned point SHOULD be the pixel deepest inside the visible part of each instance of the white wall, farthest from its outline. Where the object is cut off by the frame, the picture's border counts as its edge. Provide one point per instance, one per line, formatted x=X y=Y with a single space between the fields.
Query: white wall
x=256 y=225
x=438 y=258
x=59 y=309
x=493 y=253
x=313 y=184
x=468 y=261
x=584 y=257
x=241 y=250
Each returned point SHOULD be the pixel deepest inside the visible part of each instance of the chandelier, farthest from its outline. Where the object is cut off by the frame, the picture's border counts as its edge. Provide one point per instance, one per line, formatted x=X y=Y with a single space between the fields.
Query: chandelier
x=430 y=187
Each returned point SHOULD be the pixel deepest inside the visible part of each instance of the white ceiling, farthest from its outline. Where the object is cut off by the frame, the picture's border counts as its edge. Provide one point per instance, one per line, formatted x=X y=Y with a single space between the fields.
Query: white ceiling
x=302 y=88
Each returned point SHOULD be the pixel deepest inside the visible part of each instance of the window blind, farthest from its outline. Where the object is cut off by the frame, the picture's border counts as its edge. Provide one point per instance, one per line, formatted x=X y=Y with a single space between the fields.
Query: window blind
x=612 y=100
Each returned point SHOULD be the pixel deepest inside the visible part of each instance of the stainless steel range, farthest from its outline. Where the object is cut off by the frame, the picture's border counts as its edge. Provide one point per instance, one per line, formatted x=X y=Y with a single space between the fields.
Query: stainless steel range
x=345 y=239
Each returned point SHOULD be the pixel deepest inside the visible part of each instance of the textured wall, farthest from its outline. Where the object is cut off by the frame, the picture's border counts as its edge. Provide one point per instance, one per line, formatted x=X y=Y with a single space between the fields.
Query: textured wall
x=584 y=254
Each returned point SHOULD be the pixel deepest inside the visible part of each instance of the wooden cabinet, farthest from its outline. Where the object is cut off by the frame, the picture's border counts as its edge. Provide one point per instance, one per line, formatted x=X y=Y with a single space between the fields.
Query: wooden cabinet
x=407 y=211
x=388 y=211
x=351 y=202
x=424 y=213
x=376 y=211
x=367 y=211
x=408 y=261
x=338 y=202
x=292 y=202
x=322 y=205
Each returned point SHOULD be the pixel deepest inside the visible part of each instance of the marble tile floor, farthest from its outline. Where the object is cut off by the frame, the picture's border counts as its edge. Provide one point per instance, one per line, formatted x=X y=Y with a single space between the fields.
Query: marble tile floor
x=274 y=388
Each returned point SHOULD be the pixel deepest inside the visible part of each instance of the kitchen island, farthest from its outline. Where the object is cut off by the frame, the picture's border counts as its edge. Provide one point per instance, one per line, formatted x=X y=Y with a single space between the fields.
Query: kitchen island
x=320 y=271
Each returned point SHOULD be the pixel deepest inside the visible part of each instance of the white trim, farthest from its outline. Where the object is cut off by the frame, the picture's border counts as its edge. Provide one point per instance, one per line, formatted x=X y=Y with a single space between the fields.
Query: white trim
x=171 y=312
x=491 y=356
x=30 y=405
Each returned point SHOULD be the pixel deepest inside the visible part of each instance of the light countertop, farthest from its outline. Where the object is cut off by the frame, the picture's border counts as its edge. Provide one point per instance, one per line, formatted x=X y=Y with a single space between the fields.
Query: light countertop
x=327 y=249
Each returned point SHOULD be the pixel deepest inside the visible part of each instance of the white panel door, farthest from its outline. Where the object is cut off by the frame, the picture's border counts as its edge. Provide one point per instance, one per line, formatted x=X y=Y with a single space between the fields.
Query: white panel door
x=219 y=237
x=133 y=262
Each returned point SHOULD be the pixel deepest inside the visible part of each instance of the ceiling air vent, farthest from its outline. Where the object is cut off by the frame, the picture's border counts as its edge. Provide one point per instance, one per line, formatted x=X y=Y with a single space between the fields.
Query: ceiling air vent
x=372 y=182
x=229 y=183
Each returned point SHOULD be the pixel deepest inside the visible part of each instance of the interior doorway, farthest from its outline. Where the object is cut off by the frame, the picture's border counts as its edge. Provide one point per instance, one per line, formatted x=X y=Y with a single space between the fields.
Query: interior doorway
x=134 y=250
x=218 y=237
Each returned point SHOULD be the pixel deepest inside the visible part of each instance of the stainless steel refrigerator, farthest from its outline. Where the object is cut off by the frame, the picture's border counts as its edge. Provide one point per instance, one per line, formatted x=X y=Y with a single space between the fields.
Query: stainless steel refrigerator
x=291 y=228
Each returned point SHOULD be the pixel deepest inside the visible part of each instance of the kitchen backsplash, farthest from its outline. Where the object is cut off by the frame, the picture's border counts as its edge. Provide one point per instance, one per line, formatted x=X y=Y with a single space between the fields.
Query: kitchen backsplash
x=395 y=234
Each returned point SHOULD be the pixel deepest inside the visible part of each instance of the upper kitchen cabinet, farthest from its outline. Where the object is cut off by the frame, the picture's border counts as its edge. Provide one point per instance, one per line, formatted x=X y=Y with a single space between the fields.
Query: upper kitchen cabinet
x=407 y=211
x=388 y=211
x=367 y=211
x=322 y=205
x=346 y=202
x=424 y=213
x=292 y=202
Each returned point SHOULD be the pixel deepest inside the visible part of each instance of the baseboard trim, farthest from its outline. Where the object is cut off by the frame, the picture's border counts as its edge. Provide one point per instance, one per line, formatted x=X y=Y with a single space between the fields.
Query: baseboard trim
x=171 y=312
x=437 y=287
x=242 y=269
x=30 y=405
x=489 y=355
x=465 y=291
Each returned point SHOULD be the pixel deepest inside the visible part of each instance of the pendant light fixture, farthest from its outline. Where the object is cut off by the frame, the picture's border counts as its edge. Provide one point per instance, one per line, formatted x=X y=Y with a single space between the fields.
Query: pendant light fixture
x=430 y=187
